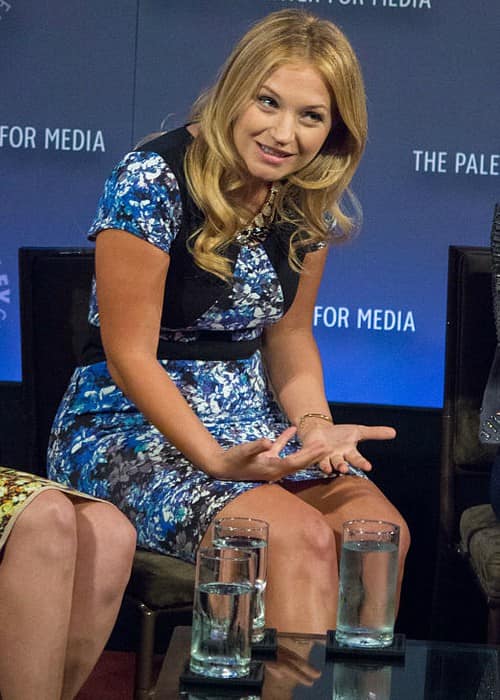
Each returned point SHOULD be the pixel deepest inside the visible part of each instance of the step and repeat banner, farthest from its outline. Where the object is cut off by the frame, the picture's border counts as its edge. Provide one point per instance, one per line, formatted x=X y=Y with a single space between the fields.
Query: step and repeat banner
x=81 y=82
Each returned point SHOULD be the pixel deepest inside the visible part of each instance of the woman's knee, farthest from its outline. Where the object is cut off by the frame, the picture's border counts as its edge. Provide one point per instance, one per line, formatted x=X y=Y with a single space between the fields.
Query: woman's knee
x=306 y=538
x=117 y=529
x=123 y=543
x=394 y=516
x=367 y=501
x=47 y=527
x=108 y=537
x=298 y=532
x=404 y=537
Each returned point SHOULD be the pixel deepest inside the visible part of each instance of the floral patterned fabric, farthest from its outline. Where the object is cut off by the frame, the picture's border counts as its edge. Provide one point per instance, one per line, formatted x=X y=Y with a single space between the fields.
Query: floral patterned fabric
x=102 y=445
x=17 y=490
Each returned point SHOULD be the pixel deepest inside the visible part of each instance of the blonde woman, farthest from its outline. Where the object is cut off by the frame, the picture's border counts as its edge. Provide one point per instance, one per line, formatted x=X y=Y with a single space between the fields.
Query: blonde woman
x=200 y=391
x=65 y=560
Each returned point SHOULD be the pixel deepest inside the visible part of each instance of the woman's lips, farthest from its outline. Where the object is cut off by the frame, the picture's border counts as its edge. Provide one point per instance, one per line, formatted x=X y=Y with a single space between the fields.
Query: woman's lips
x=273 y=154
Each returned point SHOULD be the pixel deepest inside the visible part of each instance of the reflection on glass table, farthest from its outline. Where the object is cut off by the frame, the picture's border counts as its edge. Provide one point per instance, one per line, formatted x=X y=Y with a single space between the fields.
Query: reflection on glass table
x=301 y=671
x=361 y=681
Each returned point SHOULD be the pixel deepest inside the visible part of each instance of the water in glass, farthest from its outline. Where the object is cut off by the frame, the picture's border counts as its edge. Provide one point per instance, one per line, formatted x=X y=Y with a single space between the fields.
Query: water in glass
x=367 y=588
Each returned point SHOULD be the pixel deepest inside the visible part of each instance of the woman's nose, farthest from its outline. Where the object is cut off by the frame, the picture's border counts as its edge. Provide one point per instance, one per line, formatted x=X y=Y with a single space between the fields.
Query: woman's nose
x=283 y=128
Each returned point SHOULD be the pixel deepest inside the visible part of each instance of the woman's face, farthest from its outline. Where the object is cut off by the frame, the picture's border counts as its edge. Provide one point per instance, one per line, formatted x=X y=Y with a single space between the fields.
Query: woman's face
x=283 y=128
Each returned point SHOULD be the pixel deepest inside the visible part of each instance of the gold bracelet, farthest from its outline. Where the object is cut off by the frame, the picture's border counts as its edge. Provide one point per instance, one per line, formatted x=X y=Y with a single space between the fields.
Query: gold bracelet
x=321 y=416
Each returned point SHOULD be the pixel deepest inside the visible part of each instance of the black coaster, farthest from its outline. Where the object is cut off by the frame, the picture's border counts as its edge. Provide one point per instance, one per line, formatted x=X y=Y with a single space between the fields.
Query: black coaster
x=268 y=647
x=217 y=692
x=396 y=651
x=253 y=681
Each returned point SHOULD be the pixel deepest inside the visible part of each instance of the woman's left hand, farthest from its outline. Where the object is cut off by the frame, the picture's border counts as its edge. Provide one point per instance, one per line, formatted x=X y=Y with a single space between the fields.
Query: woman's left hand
x=340 y=443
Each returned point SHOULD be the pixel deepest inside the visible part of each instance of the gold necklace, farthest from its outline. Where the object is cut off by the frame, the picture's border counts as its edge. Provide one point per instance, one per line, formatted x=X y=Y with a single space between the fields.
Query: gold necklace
x=256 y=231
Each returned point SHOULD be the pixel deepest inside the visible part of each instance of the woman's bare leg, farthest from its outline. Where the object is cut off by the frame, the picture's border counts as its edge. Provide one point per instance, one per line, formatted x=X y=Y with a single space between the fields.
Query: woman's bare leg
x=36 y=587
x=349 y=498
x=302 y=563
x=62 y=577
x=106 y=545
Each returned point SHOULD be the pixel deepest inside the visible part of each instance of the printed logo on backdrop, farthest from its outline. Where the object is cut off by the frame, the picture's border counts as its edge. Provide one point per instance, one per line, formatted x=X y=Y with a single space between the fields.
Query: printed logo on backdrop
x=23 y=137
x=5 y=7
x=457 y=163
x=395 y=4
x=4 y=293
x=370 y=319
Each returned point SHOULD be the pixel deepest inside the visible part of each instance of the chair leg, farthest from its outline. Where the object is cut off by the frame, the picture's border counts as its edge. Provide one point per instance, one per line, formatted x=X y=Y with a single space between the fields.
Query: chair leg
x=144 y=657
x=494 y=625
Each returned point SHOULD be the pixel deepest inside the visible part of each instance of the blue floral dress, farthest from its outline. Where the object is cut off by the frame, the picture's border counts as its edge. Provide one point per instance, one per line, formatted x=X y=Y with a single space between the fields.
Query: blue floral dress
x=102 y=445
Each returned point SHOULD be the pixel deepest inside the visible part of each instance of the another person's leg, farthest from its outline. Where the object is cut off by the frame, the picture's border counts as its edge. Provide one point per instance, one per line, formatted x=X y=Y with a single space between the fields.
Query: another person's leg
x=106 y=546
x=62 y=577
x=349 y=498
x=302 y=562
x=36 y=591
x=495 y=486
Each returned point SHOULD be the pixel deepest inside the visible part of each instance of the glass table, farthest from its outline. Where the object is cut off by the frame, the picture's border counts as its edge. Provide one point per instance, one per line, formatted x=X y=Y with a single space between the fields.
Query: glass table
x=301 y=671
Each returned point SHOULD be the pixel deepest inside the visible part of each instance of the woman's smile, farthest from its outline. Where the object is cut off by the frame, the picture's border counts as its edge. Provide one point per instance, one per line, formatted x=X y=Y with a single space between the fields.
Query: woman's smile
x=273 y=152
x=285 y=125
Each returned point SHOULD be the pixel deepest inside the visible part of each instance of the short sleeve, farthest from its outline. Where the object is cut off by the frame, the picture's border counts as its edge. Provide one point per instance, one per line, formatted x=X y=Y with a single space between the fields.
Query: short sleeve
x=142 y=197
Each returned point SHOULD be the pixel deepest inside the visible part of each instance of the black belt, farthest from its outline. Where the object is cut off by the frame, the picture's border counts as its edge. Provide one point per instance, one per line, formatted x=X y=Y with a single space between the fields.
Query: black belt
x=208 y=345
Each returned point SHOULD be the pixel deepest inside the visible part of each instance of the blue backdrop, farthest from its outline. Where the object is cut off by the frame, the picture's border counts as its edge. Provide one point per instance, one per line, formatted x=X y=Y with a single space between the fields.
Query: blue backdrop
x=82 y=82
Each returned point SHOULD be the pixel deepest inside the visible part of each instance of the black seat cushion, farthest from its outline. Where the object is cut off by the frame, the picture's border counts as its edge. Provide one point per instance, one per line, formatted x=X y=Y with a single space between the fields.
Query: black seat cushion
x=161 y=581
x=480 y=540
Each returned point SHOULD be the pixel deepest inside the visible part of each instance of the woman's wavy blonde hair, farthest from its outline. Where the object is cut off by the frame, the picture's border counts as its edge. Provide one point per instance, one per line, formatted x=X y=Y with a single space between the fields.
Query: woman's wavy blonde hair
x=310 y=198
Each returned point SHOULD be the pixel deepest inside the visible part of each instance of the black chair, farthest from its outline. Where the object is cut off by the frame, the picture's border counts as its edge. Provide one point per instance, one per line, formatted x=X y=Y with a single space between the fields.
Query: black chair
x=54 y=293
x=468 y=527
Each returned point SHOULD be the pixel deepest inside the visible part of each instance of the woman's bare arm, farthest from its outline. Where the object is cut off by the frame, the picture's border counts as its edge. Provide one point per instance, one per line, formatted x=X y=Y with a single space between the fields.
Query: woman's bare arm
x=130 y=276
x=296 y=374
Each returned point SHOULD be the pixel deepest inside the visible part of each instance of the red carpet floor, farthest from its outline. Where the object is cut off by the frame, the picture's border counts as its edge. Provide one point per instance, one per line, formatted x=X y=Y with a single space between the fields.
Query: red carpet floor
x=113 y=677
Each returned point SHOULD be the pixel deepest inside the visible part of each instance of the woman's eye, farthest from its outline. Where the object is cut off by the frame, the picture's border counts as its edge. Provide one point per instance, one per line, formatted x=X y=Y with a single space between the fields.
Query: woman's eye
x=267 y=101
x=314 y=116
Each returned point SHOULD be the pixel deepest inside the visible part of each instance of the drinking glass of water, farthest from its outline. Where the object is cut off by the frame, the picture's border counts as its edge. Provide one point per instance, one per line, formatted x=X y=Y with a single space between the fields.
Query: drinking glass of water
x=222 y=612
x=249 y=534
x=367 y=586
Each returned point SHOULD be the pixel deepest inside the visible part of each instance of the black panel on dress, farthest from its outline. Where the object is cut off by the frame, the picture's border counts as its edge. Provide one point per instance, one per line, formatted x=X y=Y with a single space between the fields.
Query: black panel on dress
x=189 y=290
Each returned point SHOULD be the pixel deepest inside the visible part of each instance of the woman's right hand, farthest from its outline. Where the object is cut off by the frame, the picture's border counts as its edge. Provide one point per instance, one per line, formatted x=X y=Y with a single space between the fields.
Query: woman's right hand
x=260 y=461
